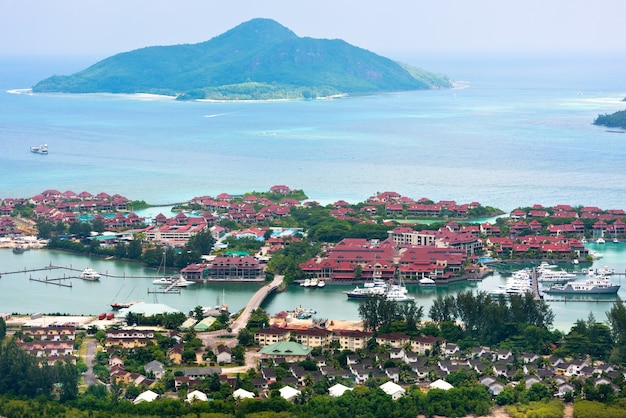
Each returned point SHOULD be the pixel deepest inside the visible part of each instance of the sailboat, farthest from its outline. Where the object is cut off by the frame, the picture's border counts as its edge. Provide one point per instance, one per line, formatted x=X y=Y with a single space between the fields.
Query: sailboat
x=125 y=304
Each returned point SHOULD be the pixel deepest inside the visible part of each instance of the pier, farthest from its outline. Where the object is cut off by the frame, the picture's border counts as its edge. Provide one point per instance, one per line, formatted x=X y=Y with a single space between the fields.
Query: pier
x=70 y=268
x=535 y=283
x=56 y=281
x=167 y=290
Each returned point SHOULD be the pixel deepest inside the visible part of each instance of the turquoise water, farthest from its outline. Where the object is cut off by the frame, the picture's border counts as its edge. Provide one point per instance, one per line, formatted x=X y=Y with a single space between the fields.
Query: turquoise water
x=500 y=141
x=514 y=136
x=19 y=294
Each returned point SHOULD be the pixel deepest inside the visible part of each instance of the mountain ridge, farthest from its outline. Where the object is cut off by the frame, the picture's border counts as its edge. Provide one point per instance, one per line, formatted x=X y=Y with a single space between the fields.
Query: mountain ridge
x=258 y=59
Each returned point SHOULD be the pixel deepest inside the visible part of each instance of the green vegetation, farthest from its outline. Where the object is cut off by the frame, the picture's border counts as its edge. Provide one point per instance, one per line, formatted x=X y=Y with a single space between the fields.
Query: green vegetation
x=382 y=315
x=22 y=375
x=594 y=409
x=613 y=120
x=537 y=409
x=520 y=322
x=259 y=59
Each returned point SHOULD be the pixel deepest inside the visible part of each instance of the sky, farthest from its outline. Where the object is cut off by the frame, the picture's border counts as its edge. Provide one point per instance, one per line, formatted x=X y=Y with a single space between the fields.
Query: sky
x=394 y=28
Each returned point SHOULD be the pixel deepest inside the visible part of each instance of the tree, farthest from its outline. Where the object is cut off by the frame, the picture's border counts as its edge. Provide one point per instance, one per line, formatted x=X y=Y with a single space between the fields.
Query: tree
x=617 y=320
x=245 y=337
x=3 y=329
x=134 y=248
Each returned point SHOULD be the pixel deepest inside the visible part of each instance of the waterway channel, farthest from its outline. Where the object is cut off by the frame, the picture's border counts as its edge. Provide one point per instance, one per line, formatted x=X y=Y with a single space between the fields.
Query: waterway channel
x=19 y=294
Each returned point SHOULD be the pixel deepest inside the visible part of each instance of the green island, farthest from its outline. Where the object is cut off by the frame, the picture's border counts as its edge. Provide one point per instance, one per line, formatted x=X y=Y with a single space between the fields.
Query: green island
x=613 y=120
x=259 y=59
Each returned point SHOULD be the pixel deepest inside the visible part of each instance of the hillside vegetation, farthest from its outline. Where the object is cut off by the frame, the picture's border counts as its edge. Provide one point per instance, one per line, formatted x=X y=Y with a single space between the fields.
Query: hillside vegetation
x=259 y=59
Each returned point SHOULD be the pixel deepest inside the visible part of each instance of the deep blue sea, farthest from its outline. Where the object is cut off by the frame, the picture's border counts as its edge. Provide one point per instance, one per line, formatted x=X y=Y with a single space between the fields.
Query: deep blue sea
x=514 y=133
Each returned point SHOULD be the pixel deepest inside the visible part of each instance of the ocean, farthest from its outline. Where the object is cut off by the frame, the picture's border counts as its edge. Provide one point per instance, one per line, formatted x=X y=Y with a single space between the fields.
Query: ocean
x=513 y=133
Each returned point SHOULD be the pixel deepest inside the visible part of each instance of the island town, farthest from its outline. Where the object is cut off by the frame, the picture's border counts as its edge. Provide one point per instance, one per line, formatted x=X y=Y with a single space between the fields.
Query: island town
x=279 y=239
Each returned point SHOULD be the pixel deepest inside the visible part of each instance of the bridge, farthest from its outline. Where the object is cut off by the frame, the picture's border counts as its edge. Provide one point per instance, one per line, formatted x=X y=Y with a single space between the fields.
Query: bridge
x=255 y=302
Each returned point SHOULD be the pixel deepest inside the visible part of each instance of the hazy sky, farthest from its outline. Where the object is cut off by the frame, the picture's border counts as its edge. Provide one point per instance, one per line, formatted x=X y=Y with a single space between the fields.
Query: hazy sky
x=100 y=28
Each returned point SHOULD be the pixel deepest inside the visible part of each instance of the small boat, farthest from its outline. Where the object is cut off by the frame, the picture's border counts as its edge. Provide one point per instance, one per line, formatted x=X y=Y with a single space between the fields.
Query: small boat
x=89 y=274
x=18 y=249
x=306 y=283
x=313 y=282
x=116 y=306
x=40 y=149
x=615 y=240
x=321 y=283
x=600 y=241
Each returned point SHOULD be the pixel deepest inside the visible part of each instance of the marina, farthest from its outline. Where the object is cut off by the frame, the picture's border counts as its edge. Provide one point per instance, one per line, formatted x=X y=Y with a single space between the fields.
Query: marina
x=19 y=294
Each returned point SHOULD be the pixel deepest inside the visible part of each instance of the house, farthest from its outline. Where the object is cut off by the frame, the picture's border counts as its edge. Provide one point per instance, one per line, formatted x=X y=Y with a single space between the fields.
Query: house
x=352 y=340
x=338 y=390
x=242 y=394
x=440 y=384
x=196 y=395
x=271 y=335
x=156 y=368
x=288 y=393
x=224 y=354
x=563 y=389
x=495 y=388
x=290 y=351
x=313 y=337
x=393 y=389
x=175 y=354
x=147 y=396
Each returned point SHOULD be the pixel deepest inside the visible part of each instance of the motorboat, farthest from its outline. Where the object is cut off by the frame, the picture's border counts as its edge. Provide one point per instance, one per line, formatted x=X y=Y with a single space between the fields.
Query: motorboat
x=365 y=292
x=600 y=241
x=89 y=274
x=306 y=283
x=39 y=149
x=321 y=283
x=313 y=282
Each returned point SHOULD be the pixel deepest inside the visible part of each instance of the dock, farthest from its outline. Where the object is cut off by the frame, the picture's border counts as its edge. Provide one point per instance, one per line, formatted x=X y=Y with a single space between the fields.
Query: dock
x=535 y=283
x=56 y=281
x=168 y=290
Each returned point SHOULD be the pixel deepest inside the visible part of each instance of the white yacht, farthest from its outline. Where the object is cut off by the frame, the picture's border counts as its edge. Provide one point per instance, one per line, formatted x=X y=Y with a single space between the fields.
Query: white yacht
x=163 y=281
x=600 y=241
x=89 y=274
x=321 y=283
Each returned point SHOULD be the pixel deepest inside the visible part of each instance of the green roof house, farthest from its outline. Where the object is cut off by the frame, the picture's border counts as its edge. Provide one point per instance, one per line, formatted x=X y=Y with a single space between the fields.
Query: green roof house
x=290 y=350
x=205 y=324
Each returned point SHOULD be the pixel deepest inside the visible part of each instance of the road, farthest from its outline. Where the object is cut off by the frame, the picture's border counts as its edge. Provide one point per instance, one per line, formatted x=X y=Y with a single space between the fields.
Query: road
x=90 y=378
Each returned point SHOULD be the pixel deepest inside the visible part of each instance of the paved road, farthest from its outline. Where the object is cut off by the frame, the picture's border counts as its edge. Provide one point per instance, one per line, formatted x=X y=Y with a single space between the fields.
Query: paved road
x=90 y=378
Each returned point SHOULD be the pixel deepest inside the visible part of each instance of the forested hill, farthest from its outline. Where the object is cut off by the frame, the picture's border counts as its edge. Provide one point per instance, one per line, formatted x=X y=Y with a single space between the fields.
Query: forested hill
x=614 y=120
x=259 y=59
